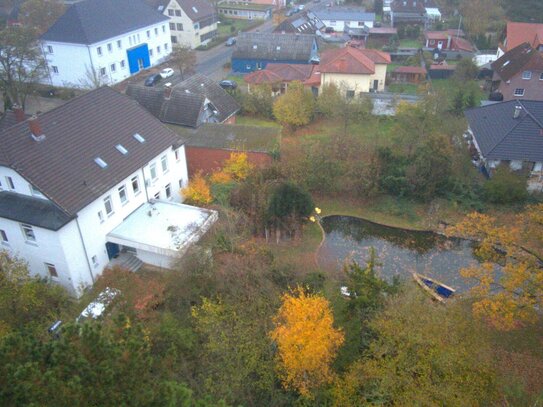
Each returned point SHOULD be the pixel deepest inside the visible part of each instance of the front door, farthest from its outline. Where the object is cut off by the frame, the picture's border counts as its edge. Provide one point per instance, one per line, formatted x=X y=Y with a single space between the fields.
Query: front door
x=112 y=250
x=375 y=85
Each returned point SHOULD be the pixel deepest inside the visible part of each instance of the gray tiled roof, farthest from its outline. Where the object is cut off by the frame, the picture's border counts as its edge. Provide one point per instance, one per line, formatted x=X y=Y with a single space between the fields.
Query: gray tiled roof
x=502 y=137
x=293 y=47
x=522 y=57
x=91 y=21
x=186 y=105
x=344 y=14
x=34 y=211
x=62 y=166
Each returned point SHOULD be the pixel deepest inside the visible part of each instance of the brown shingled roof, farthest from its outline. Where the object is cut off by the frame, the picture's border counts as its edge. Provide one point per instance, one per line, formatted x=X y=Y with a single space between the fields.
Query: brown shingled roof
x=520 y=58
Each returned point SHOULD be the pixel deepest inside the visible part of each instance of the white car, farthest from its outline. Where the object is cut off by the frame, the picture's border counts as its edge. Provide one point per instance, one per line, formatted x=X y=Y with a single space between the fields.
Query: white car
x=166 y=73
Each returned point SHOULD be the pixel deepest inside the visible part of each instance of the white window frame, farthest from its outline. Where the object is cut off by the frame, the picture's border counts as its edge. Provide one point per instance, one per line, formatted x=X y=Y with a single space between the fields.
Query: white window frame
x=94 y=260
x=50 y=49
x=168 y=191
x=103 y=72
x=101 y=216
x=99 y=51
x=153 y=171
x=527 y=75
x=113 y=67
x=123 y=193
x=120 y=44
x=4 y=237
x=515 y=93
x=164 y=164
x=112 y=210
x=177 y=154
x=28 y=233
x=157 y=195
x=54 y=68
x=49 y=267
x=135 y=180
x=110 y=47
x=10 y=183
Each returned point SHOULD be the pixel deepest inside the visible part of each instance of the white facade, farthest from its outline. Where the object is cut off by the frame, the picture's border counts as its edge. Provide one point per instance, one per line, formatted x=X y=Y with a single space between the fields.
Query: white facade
x=185 y=31
x=77 y=251
x=104 y=62
x=340 y=25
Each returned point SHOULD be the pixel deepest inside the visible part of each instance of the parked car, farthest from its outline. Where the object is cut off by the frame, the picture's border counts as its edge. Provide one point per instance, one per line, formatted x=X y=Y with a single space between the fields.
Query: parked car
x=166 y=73
x=228 y=84
x=301 y=7
x=291 y=12
x=230 y=41
x=152 y=80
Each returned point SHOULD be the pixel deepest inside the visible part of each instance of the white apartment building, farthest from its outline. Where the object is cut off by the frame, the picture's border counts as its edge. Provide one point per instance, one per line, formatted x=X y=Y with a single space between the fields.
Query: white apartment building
x=98 y=42
x=94 y=178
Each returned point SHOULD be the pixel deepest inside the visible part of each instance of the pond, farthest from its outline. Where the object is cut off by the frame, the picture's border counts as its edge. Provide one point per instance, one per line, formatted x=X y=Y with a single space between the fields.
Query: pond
x=400 y=252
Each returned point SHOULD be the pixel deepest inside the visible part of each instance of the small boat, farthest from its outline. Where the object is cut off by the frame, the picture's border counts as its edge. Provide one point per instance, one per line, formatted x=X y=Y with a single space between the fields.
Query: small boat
x=439 y=291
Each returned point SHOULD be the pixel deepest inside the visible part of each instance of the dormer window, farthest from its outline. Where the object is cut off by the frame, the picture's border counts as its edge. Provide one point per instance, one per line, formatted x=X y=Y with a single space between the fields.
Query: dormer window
x=278 y=48
x=101 y=163
x=255 y=46
x=120 y=148
x=194 y=9
x=139 y=138
x=527 y=75
x=541 y=76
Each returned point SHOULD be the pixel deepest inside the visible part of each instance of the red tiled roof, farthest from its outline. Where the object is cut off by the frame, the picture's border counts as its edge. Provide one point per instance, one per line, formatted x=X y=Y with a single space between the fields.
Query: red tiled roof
x=410 y=69
x=351 y=60
x=262 y=76
x=463 y=45
x=315 y=78
x=517 y=33
x=291 y=72
x=379 y=57
x=437 y=35
x=456 y=32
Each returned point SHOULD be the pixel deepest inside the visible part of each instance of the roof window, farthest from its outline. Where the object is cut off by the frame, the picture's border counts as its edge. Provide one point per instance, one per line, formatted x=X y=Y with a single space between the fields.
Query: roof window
x=139 y=137
x=255 y=46
x=101 y=163
x=194 y=9
x=120 y=148
x=278 y=48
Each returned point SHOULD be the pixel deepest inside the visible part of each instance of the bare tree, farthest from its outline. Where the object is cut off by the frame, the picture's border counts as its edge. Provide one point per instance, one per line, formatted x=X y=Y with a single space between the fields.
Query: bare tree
x=40 y=14
x=92 y=78
x=22 y=64
x=184 y=59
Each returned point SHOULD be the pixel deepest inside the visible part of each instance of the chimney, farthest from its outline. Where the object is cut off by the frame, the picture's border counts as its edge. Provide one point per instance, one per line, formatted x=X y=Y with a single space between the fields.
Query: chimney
x=19 y=113
x=35 y=128
x=517 y=111
x=167 y=90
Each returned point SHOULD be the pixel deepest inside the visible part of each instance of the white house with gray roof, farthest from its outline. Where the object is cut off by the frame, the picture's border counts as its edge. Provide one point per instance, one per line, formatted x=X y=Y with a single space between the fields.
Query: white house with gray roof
x=92 y=183
x=343 y=18
x=98 y=42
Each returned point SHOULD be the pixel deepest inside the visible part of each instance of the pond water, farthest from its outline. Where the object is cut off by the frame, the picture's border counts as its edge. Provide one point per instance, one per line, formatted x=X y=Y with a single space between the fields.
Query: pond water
x=400 y=252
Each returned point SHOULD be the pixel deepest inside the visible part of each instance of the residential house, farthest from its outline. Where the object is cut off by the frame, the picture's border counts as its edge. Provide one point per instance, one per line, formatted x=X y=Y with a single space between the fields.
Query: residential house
x=344 y=19
x=305 y=23
x=519 y=74
x=381 y=36
x=104 y=42
x=192 y=102
x=449 y=40
x=210 y=145
x=255 y=50
x=509 y=133
x=403 y=12
x=245 y=11
x=92 y=181
x=354 y=70
x=518 y=33
x=278 y=76
x=409 y=74
x=441 y=70
x=192 y=22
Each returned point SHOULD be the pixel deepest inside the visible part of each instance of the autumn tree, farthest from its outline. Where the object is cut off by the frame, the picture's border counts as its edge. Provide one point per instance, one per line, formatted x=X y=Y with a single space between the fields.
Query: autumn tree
x=184 y=59
x=40 y=14
x=197 y=192
x=511 y=295
x=237 y=166
x=295 y=107
x=481 y=16
x=258 y=102
x=21 y=64
x=307 y=341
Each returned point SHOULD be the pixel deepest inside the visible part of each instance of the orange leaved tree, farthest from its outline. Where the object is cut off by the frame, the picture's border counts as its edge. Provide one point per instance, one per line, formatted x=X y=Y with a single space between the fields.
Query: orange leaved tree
x=307 y=341
x=510 y=296
x=197 y=192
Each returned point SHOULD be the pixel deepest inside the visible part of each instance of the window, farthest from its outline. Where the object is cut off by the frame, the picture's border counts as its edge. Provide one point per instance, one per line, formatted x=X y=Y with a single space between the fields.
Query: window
x=35 y=191
x=527 y=75
x=171 y=12
x=156 y=31
x=113 y=68
x=52 y=270
x=139 y=40
x=139 y=138
x=120 y=148
x=332 y=22
x=177 y=155
x=122 y=64
x=164 y=162
x=101 y=216
x=109 y=47
x=179 y=27
x=153 y=171
x=54 y=68
x=119 y=44
x=135 y=185
x=541 y=76
x=28 y=232
x=519 y=92
x=180 y=183
x=350 y=94
x=95 y=261
x=130 y=40
x=4 y=236
x=166 y=46
x=50 y=49
x=10 y=183
x=174 y=39
x=168 y=190
x=158 y=49
x=163 y=28
x=157 y=195
x=99 y=51
x=103 y=71
x=150 y=52
x=172 y=26
x=197 y=26
x=108 y=205
x=178 y=13
x=101 y=163
x=122 y=194
x=1 y=186
x=148 y=32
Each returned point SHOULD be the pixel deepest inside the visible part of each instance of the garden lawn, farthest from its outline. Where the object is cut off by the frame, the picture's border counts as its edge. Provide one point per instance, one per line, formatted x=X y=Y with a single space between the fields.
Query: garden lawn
x=409 y=88
x=256 y=121
x=409 y=43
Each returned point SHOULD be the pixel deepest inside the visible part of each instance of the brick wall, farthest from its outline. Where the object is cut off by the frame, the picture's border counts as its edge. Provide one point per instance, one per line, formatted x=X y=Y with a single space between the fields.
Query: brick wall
x=208 y=160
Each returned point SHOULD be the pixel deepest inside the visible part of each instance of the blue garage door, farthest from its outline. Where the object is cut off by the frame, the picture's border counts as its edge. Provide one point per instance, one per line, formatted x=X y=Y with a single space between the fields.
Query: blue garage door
x=138 y=58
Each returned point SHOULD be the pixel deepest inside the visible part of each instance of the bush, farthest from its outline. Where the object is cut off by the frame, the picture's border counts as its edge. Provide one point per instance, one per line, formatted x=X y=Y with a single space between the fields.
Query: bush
x=506 y=187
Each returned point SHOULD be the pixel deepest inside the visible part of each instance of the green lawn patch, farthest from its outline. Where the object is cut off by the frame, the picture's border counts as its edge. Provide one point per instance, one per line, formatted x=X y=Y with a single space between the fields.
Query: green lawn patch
x=256 y=121
x=409 y=43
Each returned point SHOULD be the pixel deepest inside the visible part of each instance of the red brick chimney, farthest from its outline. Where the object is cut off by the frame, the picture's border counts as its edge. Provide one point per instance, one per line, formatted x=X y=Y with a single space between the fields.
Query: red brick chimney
x=167 y=91
x=35 y=128
x=19 y=113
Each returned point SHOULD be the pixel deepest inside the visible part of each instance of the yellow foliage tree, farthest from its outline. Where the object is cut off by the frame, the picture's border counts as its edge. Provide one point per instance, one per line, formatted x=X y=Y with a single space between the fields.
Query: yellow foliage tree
x=197 y=191
x=294 y=108
x=307 y=341
x=520 y=280
x=238 y=166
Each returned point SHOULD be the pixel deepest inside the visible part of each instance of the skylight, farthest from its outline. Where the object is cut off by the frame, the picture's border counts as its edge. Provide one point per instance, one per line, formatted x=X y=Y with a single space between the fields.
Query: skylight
x=139 y=137
x=194 y=9
x=101 y=163
x=120 y=148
